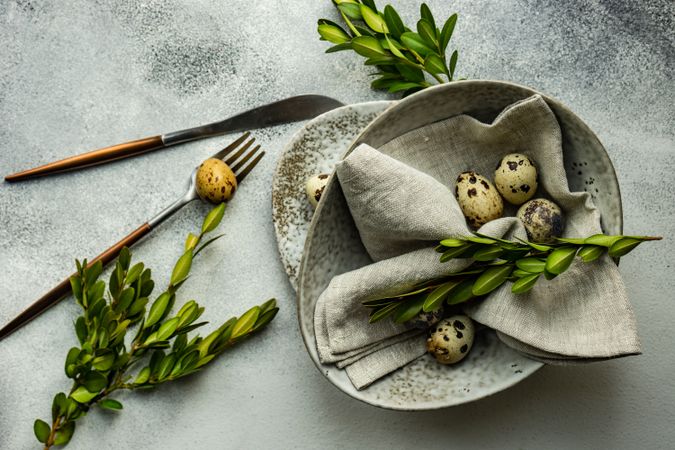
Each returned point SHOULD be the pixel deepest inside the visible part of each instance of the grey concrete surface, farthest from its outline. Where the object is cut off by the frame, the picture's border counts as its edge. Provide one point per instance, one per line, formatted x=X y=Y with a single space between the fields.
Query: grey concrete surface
x=76 y=75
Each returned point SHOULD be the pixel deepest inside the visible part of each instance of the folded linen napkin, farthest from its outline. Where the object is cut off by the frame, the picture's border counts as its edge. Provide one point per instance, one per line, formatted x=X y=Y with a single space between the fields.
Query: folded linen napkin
x=402 y=203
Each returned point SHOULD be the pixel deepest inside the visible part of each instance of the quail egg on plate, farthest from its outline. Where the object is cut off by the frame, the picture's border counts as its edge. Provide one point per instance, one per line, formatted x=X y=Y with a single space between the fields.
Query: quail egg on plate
x=516 y=178
x=315 y=186
x=543 y=220
x=479 y=200
x=451 y=339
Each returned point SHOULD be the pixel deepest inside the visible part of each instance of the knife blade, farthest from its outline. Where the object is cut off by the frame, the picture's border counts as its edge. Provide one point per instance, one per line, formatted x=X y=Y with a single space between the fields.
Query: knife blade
x=292 y=109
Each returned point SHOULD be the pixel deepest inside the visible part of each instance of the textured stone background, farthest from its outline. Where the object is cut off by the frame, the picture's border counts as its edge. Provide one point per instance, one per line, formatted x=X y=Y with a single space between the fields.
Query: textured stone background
x=76 y=75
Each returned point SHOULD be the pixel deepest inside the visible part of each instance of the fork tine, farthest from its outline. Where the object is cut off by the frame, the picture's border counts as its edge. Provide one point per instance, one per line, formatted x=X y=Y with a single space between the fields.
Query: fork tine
x=229 y=161
x=224 y=152
x=245 y=158
x=246 y=170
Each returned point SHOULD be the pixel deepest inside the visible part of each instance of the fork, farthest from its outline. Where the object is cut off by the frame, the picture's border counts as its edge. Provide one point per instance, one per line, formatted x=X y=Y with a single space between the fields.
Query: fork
x=240 y=165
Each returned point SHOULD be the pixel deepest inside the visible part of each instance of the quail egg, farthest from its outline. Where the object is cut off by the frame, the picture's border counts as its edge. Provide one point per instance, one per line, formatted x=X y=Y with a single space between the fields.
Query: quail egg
x=478 y=198
x=543 y=220
x=516 y=178
x=425 y=320
x=315 y=186
x=216 y=182
x=451 y=339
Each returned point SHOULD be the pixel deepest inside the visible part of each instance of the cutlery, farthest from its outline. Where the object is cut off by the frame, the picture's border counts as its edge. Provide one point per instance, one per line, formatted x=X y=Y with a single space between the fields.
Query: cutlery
x=238 y=161
x=292 y=109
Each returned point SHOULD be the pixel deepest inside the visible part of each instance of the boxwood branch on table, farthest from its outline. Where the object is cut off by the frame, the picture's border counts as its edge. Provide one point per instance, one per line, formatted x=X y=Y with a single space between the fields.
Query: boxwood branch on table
x=400 y=55
x=160 y=351
x=496 y=261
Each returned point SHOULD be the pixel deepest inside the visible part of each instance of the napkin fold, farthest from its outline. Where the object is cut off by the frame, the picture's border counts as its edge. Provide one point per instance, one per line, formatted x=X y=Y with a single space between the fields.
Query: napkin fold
x=402 y=203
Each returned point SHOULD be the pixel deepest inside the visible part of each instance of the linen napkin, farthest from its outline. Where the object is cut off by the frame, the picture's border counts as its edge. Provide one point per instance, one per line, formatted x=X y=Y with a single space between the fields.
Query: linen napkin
x=402 y=202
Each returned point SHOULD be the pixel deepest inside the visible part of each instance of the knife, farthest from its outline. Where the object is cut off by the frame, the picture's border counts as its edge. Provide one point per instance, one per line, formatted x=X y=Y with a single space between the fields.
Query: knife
x=292 y=109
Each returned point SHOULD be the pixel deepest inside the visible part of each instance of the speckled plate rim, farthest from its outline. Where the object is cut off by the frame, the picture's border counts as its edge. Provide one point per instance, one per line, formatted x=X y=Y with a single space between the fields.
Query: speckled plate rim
x=311 y=346
x=292 y=142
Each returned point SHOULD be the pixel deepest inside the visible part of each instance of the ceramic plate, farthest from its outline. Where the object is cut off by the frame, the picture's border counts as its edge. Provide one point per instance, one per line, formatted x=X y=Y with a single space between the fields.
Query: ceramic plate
x=333 y=246
x=314 y=149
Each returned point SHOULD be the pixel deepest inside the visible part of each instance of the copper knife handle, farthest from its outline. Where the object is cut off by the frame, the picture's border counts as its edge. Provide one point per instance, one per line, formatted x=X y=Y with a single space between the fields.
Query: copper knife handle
x=92 y=158
x=62 y=289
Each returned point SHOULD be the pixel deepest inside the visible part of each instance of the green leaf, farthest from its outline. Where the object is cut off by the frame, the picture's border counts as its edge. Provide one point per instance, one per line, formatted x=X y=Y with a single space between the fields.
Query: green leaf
x=525 y=283
x=381 y=61
x=532 y=265
x=351 y=10
x=125 y=258
x=94 y=381
x=453 y=63
x=560 y=259
x=427 y=32
x=451 y=242
x=548 y=275
x=207 y=243
x=339 y=47
x=518 y=273
x=453 y=252
x=602 y=240
x=268 y=305
x=370 y=4
x=245 y=322
x=93 y=272
x=167 y=329
x=373 y=19
x=369 y=47
x=404 y=86
x=488 y=253
x=394 y=22
x=182 y=268
x=434 y=64
x=573 y=241
x=482 y=240
x=538 y=247
x=64 y=433
x=126 y=297
x=392 y=46
x=213 y=218
x=143 y=376
x=330 y=33
x=265 y=318
x=425 y=12
x=191 y=241
x=446 y=33
x=111 y=404
x=103 y=362
x=42 y=430
x=461 y=293
x=408 y=309
x=438 y=295
x=491 y=279
x=157 y=309
x=415 y=42
x=410 y=73
x=383 y=83
x=76 y=287
x=81 y=329
x=166 y=366
x=82 y=395
x=589 y=253
x=134 y=273
x=59 y=405
x=379 y=314
x=623 y=247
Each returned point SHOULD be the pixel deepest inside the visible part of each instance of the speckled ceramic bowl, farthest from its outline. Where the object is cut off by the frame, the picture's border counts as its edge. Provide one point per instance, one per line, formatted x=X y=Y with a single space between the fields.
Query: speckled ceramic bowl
x=333 y=245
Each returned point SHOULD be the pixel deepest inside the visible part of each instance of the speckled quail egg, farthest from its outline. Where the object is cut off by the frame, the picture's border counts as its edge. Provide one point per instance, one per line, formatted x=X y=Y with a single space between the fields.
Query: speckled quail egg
x=516 y=178
x=478 y=198
x=543 y=220
x=315 y=186
x=425 y=320
x=451 y=339
x=216 y=182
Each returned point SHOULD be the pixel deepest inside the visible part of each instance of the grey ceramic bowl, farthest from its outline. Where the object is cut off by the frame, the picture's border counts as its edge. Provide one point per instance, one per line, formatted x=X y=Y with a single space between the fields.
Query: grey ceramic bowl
x=333 y=245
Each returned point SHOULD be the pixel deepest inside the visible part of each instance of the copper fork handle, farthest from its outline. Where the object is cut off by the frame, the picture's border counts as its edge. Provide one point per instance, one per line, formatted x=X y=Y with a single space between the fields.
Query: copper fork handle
x=62 y=289
x=92 y=158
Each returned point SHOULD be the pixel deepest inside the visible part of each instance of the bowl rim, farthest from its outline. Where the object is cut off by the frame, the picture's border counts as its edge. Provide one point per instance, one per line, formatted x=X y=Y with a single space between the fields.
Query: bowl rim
x=329 y=187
